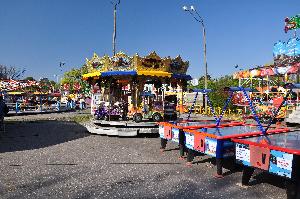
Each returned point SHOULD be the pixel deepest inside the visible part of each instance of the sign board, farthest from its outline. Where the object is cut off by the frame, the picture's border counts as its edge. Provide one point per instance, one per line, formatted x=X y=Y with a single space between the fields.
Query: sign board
x=161 y=131
x=281 y=163
x=211 y=147
x=175 y=135
x=242 y=153
x=189 y=140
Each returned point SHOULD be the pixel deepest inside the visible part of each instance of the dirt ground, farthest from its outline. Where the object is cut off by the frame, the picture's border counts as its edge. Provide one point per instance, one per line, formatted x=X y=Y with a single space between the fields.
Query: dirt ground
x=50 y=156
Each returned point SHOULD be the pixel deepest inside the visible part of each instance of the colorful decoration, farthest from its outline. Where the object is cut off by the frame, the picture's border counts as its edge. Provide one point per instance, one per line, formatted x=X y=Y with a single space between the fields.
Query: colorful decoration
x=268 y=71
x=292 y=23
x=66 y=87
x=13 y=85
x=76 y=86
x=120 y=62
x=286 y=61
x=150 y=65
x=97 y=63
x=287 y=53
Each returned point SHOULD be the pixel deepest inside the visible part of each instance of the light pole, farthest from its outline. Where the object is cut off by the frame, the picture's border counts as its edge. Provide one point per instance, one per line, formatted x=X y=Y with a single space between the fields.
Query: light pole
x=61 y=64
x=115 y=4
x=56 y=76
x=199 y=19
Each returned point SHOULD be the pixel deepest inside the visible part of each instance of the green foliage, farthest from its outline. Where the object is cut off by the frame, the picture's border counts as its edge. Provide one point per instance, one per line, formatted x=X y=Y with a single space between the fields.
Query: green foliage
x=218 y=97
x=45 y=85
x=81 y=118
x=75 y=76
x=29 y=79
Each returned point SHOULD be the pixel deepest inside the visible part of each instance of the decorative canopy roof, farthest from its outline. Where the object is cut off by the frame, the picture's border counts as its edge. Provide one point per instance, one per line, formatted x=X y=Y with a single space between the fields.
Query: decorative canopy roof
x=124 y=65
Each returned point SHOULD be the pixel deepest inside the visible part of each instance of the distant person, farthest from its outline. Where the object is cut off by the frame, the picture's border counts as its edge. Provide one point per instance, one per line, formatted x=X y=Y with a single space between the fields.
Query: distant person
x=82 y=103
x=69 y=103
x=3 y=111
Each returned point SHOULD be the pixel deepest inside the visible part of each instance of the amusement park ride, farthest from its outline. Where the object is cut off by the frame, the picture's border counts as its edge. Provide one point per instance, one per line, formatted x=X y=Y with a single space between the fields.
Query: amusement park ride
x=270 y=148
x=25 y=97
x=135 y=87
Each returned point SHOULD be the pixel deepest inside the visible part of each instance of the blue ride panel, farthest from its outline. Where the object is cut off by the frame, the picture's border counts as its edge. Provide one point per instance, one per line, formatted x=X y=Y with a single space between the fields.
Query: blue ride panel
x=281 y=163
x=227 y=149
x=161 y=131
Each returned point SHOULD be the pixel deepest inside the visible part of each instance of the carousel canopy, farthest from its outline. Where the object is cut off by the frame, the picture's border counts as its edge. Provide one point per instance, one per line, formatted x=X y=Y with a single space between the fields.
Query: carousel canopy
x=151 y=65
x=93 y=74
x=118 y=73
x=182 y=76
x=154 y=73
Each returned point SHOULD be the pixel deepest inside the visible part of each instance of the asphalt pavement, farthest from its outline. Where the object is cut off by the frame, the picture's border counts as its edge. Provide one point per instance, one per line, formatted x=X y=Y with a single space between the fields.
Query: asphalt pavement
x=49 y=158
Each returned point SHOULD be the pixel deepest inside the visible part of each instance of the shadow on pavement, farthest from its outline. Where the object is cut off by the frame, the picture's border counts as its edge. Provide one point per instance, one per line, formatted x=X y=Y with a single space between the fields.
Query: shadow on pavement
x=265 y=177
x=145 y=163
x=30 y=135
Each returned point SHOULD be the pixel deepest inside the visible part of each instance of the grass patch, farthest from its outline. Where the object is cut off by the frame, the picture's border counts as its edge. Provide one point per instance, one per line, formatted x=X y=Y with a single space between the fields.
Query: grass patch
x=81 y=118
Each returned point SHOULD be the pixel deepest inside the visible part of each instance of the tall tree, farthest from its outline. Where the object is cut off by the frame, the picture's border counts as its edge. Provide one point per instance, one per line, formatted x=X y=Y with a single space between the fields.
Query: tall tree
x=74 y=78
x=218 y=96
x=29 y=79
x=11 y=72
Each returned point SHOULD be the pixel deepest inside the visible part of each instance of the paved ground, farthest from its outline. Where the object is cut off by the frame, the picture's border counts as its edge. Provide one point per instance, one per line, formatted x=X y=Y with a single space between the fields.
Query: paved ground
x=59 y=159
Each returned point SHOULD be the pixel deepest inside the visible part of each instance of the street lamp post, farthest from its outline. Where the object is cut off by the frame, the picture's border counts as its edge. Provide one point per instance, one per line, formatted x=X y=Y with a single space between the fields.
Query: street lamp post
x=115 y=3
x=61 y=64
x=199 y=19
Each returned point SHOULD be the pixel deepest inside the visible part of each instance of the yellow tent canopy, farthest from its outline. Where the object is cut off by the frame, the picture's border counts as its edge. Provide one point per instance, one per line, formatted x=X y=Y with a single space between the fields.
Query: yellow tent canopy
x=154 y=73
x=15 y=93
x=93 y=74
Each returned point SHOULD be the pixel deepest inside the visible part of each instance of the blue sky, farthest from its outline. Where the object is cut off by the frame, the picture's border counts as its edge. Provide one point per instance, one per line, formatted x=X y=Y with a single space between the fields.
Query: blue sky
x=38 y=34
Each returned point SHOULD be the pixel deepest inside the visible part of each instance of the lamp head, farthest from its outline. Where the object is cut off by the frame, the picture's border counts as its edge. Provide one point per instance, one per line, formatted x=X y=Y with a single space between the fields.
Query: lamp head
x=193 y=8
x=185 y=8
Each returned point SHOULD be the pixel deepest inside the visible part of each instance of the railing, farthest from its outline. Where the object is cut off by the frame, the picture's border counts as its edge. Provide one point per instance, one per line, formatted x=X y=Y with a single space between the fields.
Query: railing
x=38 y=108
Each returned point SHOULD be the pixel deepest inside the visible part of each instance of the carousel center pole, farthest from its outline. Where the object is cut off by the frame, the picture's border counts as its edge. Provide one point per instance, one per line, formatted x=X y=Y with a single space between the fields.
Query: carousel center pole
x=181 y=104
x=115 y=25
x=109 y=99
x=298 y=78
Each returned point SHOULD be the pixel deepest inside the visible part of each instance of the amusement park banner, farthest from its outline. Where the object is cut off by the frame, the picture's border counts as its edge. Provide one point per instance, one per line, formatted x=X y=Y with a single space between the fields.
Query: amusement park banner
x=286 y=61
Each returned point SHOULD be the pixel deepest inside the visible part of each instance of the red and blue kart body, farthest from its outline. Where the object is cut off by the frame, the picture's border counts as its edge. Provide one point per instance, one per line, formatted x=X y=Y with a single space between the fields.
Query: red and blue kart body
x=277 y=154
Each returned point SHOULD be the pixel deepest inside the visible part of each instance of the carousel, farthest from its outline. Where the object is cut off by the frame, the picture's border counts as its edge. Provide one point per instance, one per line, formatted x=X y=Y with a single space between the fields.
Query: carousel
x=135 y=87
